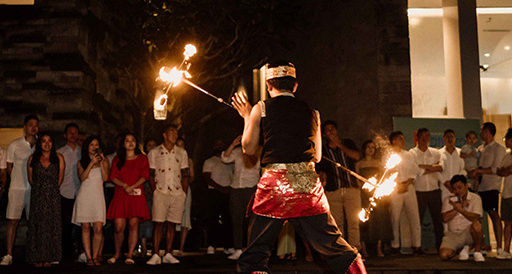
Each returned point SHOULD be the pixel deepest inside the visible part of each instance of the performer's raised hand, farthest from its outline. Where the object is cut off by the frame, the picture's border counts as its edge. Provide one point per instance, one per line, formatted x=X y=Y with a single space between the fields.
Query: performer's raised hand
x=241 y=104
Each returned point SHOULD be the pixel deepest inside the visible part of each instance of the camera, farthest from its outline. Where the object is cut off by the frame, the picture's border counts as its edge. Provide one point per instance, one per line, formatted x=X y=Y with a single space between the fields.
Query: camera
x=454 y=199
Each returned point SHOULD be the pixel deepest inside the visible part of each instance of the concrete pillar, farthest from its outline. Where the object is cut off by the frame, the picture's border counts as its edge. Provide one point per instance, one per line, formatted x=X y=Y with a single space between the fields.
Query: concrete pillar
x=463 y=96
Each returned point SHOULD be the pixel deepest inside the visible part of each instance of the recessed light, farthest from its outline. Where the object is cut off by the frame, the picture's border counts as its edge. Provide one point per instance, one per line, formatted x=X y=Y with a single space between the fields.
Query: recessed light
x=507 y=48
x=487 y=54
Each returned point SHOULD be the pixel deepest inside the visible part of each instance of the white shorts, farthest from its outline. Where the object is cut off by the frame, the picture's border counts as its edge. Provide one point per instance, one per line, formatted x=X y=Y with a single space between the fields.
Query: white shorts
x=19 y=199
x=168 y=207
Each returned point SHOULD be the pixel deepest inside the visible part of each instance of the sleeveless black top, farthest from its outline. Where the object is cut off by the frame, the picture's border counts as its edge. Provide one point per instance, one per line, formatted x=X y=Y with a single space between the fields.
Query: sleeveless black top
x=288 y=128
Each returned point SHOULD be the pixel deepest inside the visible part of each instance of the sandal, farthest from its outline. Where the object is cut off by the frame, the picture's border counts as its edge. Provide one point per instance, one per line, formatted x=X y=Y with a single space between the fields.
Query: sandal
x=129 y=261
x=38 y=265
x=96 y=262
x=90 y=262
x=112 y=260
x=47 y=264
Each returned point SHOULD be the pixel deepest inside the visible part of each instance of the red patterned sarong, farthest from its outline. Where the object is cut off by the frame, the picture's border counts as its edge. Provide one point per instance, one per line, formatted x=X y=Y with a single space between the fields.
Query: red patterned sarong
x=276 y=198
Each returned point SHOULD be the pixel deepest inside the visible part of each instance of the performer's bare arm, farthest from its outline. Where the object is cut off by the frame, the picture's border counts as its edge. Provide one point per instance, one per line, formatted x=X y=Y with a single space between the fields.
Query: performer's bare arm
x=318 y=139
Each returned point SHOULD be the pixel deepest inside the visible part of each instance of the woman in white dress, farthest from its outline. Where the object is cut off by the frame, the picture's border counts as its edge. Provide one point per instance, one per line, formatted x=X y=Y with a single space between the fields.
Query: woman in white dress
x=93 y=170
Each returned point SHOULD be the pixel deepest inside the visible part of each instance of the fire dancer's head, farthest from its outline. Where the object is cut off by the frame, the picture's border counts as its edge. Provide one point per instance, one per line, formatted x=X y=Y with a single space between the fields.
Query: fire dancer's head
x=397 y=140
x=459 y=185
x=281 y=77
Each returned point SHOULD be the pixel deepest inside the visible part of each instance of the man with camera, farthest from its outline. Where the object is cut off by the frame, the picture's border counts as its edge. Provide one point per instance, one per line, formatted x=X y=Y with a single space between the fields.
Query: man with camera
x=462 y=213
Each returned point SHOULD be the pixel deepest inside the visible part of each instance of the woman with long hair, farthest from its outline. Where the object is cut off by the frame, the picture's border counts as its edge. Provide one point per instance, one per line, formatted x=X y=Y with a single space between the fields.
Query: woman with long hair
x=89 y=208
x=45 y=174
x=130 y=169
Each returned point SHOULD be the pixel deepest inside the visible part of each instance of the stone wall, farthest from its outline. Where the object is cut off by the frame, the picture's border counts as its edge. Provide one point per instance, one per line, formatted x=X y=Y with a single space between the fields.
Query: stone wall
x=54 y=63
x=353 y=65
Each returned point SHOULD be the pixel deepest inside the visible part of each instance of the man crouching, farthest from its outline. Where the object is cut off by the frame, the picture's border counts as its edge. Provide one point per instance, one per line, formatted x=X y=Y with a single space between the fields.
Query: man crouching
x=462 y=213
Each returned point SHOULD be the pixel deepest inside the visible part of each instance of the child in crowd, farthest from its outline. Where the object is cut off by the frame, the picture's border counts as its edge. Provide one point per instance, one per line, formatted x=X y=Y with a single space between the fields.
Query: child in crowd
x=470 y=155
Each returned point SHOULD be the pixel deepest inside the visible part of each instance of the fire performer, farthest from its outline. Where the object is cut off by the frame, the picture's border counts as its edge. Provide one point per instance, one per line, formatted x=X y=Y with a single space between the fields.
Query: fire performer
x=289 y=188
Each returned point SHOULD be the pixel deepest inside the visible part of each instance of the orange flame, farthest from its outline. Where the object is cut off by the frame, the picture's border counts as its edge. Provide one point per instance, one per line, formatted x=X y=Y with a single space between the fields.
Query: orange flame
x=393 y=161
x=171 y=75
x=386 y=187
x=371 y=186
x=190 y=50
x=364 y=215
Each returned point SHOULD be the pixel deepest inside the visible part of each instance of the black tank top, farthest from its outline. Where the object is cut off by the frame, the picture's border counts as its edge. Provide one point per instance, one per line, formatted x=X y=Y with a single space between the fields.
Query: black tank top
x=288 y=128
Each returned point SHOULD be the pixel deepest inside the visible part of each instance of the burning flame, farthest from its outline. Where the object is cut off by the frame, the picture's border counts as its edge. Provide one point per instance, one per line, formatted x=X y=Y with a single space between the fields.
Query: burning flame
x=173 y=76
x=386 y=187
x=190 y=50
x=393 y=161
x=371 y=186
x=364 y=215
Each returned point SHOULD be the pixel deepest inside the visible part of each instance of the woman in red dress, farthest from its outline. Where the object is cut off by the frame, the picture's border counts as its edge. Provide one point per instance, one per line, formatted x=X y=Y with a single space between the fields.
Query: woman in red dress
x=130 y=169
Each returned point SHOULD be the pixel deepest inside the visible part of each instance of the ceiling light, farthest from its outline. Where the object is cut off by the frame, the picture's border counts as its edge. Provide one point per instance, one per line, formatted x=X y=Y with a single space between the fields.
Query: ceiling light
x=507 y=47
x=487 y=54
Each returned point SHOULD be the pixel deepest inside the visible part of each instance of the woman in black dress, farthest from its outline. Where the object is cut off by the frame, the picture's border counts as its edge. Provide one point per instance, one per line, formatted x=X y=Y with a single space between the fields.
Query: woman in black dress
x=45 y=174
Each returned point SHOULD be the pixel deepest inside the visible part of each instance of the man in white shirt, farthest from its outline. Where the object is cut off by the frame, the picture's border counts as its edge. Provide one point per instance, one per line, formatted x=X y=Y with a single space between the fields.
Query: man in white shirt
x=462 y=212
x=427 y=185
x=19 y=191
x=69 y=187
x=505 y=171
x=169 y=174
x=489 y=187
x=451 y=162
x=243 y=186
x=218 y=177
x=404 y=197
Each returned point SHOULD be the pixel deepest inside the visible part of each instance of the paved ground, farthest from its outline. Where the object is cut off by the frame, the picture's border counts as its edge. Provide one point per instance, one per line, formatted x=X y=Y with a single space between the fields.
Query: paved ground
x=199 y=263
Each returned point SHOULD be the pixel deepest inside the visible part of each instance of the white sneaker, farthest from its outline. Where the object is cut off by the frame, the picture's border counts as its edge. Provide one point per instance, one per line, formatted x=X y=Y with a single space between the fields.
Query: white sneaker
x=478 y=257
x=229 y=251
x=503 y=255
x=82 y=258
x=6 y=260
x=464 y=253
x=210 y=250
x=154 y=260
x=169 y=259
x=235 y=255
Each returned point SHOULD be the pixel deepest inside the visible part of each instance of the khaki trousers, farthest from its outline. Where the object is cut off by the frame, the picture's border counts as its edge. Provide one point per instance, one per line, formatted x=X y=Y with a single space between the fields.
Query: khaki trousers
x=346 y=203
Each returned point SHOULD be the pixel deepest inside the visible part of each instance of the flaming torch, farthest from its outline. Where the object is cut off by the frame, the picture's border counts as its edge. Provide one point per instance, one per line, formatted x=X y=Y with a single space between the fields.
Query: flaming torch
x=382 y=188
x=174 y=77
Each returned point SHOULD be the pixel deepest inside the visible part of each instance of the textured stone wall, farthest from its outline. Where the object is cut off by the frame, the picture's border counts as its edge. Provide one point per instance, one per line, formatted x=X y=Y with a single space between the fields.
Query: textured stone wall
x=353 y=65
x=53 y=63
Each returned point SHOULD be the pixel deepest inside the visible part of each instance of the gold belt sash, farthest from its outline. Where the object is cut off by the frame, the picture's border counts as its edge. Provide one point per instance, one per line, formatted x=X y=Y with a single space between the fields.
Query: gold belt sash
x=302 y=176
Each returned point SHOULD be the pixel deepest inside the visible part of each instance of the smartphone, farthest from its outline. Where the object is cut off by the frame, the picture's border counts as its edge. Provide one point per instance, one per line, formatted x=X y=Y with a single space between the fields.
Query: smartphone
x=137 y=192
x=98 y=151
x=454 y=199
